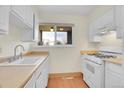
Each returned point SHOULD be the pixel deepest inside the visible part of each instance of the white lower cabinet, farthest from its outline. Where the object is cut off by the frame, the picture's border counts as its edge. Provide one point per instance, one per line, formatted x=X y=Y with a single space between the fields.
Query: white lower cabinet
x=113 y=75
x=31 y=82
x=113 y=80
x=39 y=81
x=40 y=78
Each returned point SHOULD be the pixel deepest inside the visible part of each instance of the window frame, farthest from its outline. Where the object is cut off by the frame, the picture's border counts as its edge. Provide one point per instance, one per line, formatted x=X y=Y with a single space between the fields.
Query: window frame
x=55 y=31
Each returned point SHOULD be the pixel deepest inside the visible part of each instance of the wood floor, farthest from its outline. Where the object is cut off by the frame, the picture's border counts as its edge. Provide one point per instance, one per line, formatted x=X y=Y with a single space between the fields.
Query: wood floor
x=66 y=82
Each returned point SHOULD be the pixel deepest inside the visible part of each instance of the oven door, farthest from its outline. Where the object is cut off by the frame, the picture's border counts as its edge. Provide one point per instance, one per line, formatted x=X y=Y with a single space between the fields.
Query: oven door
x=93 y=73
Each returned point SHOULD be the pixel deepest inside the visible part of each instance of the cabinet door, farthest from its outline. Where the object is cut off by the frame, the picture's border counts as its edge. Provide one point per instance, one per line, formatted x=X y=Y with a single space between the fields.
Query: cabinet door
x=31 y=83
x=20 y=11
x=40 y=81
x=4 y=19
x=45 y=73
x=107 y=19
x=27 y=36
x=112 y=80
x=113 y=75
x=93 y=37
x=42 y=78
x=29 y=16
x=119 y=20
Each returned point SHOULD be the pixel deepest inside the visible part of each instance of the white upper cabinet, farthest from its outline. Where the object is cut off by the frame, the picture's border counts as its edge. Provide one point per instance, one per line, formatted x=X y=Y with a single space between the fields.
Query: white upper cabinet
x=28 y=34
x=4 y=19
x=119 y=20
x=93 y=37
x=112 y=20
x=23 y=16
x=29 y=16
x=97 y=26
x=94 y=31
x=19 y=11
x=23 y=13
x=107 y=19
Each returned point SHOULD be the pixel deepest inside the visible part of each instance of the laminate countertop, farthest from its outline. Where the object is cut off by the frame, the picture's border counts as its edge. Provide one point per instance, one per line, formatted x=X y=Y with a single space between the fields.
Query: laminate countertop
x=114 y=60
x=16 y=76
x=82 y=52
x=118 y=60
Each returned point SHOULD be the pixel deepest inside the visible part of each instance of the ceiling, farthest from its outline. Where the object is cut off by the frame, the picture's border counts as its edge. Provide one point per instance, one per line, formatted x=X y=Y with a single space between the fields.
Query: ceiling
x=81 y=10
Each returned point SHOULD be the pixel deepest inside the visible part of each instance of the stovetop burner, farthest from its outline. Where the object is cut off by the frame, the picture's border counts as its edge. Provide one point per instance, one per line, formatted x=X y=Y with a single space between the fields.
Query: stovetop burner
x=105 y=56
x=100 y=55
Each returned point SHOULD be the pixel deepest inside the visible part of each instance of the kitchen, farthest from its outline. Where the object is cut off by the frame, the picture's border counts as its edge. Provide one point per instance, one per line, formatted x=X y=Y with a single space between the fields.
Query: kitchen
x=96 y=35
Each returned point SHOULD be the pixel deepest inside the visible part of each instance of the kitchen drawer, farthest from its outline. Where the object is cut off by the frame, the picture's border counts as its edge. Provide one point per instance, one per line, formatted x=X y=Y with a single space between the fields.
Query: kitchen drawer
x=114 y=67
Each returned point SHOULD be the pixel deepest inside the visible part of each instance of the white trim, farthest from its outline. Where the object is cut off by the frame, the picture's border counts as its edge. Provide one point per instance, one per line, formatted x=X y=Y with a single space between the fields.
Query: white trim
x=58 y=24
x=55 y=46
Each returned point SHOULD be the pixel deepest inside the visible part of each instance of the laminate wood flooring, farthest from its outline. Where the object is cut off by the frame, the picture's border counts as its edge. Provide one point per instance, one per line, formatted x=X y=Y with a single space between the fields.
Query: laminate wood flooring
x=66 y=82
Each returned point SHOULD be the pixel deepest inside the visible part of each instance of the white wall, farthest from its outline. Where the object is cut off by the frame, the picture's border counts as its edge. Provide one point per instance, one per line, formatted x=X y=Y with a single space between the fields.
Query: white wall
x=67 y=59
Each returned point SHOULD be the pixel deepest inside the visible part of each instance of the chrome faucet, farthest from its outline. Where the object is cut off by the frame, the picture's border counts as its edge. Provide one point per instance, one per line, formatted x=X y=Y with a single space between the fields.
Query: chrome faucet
x=15 y=50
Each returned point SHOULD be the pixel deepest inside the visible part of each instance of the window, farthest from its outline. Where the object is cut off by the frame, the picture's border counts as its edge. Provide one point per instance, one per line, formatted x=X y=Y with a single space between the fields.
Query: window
x=51 y=35
x=48 y=38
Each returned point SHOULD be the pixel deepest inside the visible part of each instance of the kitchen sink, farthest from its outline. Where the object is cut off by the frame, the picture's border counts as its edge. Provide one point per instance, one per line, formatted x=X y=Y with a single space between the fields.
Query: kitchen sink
x=25 y=61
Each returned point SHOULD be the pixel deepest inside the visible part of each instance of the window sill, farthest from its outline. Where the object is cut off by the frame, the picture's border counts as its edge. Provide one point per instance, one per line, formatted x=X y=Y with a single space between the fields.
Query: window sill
x=56 y=46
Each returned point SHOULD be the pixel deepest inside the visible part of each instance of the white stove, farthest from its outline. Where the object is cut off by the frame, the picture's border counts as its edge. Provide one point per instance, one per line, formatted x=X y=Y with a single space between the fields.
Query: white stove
x=93 y=67
x=93 y=71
